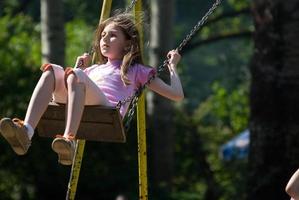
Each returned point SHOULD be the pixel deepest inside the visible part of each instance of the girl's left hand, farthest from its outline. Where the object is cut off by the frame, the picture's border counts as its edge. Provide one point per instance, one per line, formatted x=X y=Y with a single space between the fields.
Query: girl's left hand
x=173 y=57
x=83 y=61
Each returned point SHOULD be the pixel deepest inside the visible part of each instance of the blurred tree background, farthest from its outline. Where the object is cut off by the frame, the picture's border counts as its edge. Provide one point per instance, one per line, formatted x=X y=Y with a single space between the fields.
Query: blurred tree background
x=215 y=75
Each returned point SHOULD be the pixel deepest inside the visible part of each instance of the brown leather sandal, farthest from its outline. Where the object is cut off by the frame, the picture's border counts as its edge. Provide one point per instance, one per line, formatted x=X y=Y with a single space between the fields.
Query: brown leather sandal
x=15 y=134
x=65 y=148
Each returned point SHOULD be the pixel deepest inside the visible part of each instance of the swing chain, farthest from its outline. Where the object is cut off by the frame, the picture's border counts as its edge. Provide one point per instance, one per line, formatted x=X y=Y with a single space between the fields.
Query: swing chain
x=141 y=88
x=137 y=94
x=199 y=25
x=134 y=98
x=130 y=7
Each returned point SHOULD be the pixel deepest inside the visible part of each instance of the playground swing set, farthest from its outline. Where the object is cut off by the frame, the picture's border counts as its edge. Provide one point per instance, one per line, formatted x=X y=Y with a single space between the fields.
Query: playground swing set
x=105 y=124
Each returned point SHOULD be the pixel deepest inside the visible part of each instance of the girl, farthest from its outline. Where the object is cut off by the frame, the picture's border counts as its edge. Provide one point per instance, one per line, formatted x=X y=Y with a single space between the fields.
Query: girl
x=121 y=72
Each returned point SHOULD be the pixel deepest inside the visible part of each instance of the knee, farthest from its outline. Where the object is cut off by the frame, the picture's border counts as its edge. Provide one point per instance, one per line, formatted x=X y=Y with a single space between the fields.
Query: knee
x=72 y=80
x=48 y=75
x=49 y=71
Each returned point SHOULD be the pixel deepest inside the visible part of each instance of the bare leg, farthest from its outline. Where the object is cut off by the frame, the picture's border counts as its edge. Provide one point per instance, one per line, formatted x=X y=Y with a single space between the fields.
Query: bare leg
x=65 y=147
x=40 y=98
x=80 y=91
x=75 y=107
x=14 y=131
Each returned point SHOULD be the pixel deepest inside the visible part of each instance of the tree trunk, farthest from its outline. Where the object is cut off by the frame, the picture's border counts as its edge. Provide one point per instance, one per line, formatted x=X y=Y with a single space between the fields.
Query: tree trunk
x=160 y=109
x=274 y=98
x=52 y=31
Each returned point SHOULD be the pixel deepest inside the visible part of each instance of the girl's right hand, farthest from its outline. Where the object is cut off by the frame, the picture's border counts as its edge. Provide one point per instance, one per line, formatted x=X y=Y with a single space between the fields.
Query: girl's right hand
x=83 y=61
x=173 y=57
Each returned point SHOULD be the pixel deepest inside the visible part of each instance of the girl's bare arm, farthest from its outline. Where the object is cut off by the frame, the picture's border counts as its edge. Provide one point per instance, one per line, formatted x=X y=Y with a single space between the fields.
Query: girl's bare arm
x=174 y=91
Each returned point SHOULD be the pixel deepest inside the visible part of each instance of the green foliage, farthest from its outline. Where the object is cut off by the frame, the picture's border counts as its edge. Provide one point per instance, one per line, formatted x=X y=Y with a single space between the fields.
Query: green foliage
x=20 y=60
x=9 y=6
x=228 y=116
x=79 y=37
x=194 y=192
x=216 y=120
x=235 y=4
x=216 y=81
x=88 y=11
x=230 y=108
x=9 y=186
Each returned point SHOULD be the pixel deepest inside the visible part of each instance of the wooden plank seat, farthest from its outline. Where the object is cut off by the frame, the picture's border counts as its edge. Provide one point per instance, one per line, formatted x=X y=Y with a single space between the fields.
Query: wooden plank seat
x=98 y=123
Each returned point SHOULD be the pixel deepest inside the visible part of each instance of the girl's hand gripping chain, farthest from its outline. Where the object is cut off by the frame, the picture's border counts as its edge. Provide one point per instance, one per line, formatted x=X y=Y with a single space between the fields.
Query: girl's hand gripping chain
x=173 y=59
x=83 y=61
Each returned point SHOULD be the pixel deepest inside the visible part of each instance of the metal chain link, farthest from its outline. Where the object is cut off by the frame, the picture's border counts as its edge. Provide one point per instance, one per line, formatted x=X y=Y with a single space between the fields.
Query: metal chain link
x=134 y=98
x=130 y=7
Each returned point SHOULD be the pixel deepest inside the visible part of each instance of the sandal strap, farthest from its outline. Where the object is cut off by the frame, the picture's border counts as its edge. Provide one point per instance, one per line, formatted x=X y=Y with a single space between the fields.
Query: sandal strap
x=18 y=122
x=69 y=137
x=59 y=136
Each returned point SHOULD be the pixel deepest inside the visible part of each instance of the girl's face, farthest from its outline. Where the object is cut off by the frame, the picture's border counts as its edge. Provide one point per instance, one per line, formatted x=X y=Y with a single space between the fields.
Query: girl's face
x=113 y=42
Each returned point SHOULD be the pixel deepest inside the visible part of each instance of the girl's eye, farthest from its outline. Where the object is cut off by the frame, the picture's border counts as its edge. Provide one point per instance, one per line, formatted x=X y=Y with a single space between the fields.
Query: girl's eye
x=113 y=35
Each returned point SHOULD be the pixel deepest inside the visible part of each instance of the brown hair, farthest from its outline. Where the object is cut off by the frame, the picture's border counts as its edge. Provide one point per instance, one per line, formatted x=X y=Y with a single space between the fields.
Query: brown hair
x=126 y=23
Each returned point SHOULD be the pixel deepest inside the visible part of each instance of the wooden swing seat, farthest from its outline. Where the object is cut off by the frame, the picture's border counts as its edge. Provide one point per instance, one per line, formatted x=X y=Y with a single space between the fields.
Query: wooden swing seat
x=98 y=123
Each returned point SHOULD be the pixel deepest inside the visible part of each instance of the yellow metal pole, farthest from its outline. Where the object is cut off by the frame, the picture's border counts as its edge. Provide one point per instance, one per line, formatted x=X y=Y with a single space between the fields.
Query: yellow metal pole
x=75 y=172
x=106 y=9
x=141 y=125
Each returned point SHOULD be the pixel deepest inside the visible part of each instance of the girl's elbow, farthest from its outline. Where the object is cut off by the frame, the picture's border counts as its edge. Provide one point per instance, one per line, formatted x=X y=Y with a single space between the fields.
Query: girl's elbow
x=179 y=97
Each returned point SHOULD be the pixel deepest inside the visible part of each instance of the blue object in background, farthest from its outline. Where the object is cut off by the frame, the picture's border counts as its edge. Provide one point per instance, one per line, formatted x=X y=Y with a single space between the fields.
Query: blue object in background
x=236 y=148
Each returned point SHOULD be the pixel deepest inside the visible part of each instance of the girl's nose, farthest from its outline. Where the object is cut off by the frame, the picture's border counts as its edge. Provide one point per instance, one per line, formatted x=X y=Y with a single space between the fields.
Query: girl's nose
x=105 y=38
